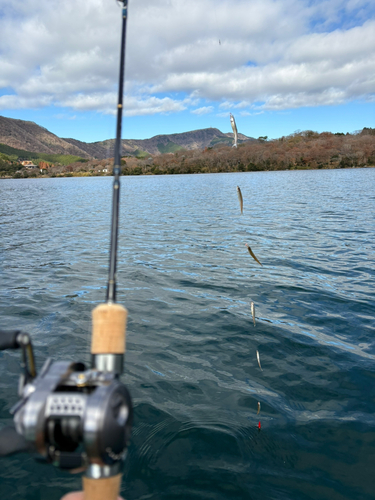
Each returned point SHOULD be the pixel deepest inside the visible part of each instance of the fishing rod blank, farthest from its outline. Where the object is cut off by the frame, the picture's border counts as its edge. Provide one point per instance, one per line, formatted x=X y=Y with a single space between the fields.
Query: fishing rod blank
x=111 y=288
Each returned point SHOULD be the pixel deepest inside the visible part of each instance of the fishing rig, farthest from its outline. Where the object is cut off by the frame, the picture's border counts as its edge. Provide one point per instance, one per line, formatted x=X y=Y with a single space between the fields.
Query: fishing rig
x=74 y=417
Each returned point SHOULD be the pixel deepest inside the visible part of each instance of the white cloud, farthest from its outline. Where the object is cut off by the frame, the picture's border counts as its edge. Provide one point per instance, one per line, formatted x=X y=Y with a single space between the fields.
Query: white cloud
x=105 y=102
x=132 y=106
x=282 y=53
x=203 y=111
x=327 y=97
x=226 y=105
x=232 y=105
x=151 y=106
x=17 y=102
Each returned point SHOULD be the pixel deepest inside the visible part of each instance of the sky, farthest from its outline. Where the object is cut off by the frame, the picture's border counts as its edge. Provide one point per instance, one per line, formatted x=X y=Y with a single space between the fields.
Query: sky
x=278 y=66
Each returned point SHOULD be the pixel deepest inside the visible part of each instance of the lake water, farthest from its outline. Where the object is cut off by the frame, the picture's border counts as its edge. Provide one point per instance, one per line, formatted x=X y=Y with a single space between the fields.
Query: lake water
x=187 y=279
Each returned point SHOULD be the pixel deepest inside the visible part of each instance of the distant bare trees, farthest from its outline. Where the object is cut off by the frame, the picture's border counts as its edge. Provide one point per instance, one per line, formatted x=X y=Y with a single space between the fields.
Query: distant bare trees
x=301 y=150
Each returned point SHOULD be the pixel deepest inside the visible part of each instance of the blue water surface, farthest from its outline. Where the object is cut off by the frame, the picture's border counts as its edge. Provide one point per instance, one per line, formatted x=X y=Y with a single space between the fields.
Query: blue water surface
x=187 y=280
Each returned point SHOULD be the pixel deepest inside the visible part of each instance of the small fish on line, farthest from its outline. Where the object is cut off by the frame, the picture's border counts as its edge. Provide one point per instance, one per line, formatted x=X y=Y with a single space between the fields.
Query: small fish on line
x=240 y=198
x=252 y=254
x=252 y=306
x=258 y=411
x=234 y=128
x=258 y=358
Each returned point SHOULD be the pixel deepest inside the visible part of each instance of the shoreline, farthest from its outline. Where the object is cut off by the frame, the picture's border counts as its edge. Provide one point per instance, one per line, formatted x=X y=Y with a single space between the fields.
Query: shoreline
x=80 y=175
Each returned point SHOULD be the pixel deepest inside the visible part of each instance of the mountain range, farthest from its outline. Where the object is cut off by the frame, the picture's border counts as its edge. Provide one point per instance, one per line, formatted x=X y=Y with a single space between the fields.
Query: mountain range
x=29 y=136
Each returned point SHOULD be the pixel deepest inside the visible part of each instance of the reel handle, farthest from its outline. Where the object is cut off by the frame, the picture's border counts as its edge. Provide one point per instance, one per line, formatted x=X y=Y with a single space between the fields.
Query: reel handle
x=108 y=337
x=8 y=339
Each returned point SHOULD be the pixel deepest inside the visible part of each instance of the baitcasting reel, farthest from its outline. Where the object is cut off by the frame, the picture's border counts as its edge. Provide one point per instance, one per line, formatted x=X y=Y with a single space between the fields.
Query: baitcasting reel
x=76 y=418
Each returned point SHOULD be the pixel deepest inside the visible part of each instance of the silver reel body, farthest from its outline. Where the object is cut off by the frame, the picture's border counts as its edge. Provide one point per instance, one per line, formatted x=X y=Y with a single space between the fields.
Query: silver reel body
x=75 y=417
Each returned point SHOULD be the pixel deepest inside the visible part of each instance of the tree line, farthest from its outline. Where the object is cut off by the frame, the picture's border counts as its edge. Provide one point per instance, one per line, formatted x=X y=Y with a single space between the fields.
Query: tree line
x=300 y=150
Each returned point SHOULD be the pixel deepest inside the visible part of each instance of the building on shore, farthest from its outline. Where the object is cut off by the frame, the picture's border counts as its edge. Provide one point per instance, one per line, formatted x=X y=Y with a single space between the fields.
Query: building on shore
x=28 y=164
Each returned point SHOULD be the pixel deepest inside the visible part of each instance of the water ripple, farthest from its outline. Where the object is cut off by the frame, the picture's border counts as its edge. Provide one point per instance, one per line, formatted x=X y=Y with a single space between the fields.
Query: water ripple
x=187 y=280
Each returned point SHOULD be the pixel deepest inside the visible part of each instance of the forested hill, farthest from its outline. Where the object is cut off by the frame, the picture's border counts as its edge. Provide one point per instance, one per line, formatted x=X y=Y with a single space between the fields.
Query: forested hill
x=301 y=150
x=160 y=144
x=29 y=136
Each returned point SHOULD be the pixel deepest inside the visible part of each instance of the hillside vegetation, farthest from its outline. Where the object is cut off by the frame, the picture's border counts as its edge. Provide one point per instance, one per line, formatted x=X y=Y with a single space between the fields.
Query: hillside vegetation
x=170 y=147
x=15 y=154
x=10 y=160
x=301 y=150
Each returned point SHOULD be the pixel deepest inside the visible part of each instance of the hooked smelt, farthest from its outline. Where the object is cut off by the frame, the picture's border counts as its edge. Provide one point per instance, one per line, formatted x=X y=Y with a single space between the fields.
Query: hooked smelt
x=258 y=358
x=234 y=128
x=240 y=199
x=252 y=254
x=258 y=408
x=253 y=311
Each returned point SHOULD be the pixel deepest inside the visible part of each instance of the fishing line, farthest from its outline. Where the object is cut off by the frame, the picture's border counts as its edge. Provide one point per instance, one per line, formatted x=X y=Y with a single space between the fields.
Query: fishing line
x=217 y=23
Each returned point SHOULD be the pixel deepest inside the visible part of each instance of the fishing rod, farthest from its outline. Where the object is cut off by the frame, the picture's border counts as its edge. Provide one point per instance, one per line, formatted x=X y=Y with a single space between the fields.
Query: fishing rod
x=74 y=417
x=111 y=288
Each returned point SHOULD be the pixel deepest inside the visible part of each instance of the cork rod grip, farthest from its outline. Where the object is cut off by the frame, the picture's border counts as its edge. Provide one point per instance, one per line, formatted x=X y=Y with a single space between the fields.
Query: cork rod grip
x=102 y=489
x=108 y=329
